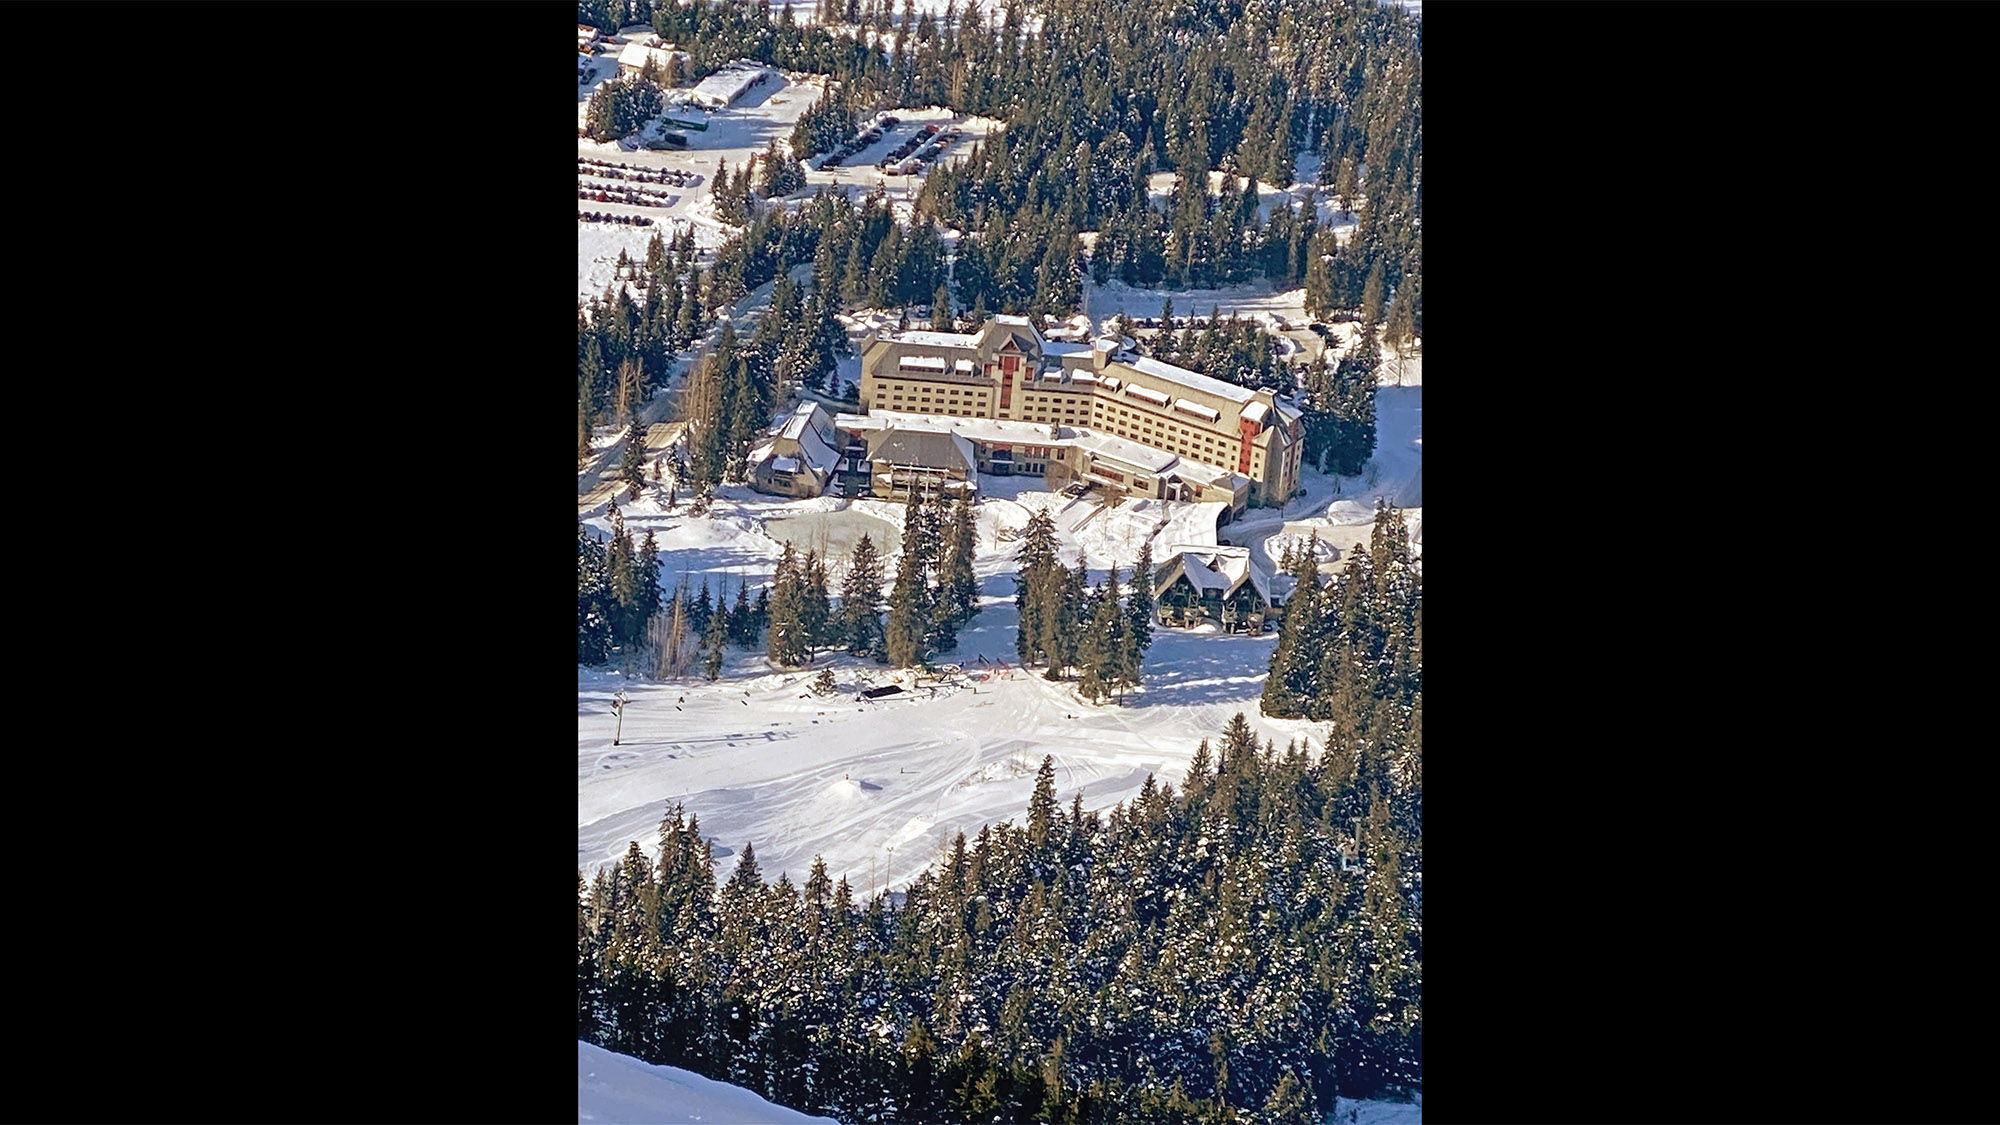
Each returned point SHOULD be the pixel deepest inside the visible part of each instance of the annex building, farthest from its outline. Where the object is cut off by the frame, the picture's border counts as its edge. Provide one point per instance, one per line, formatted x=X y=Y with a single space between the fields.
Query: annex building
x=1008 y=371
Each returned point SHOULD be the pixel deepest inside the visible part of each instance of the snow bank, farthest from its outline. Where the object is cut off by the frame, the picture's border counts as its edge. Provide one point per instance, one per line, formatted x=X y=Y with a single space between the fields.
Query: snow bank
x=615 y=1087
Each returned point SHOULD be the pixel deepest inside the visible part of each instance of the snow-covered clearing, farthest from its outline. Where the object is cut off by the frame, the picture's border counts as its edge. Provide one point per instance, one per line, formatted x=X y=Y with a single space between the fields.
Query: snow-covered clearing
x=1160 y=188
x=1102 y=303
x=877 y=788
x=619 y=1088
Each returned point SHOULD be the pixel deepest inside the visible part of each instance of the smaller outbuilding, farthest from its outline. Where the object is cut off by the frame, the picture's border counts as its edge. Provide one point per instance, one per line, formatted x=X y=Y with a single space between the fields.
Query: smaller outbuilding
x=798 y=458
x=664 y=58
x=1223 y=584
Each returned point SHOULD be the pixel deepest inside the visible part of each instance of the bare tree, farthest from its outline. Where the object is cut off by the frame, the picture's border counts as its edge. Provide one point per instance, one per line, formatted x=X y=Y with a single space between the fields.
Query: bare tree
x=667 y=641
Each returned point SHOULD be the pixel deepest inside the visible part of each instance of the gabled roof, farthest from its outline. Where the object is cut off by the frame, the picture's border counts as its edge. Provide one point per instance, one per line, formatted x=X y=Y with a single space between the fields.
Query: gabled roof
x=1017 y=332
x=931 y=448
x=636 y=54
x=803 y=416
x=1222 y=569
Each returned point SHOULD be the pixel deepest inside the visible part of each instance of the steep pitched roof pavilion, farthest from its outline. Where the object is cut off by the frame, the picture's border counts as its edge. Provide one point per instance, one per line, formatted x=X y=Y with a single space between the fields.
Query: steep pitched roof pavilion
x=1222 y=569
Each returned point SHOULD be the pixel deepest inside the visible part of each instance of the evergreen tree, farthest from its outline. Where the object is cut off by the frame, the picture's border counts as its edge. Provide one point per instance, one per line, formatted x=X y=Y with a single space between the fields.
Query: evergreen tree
x=788 y=635
x=1039 y=581
x=594 y=602
x=622 y=567
x=903 y=636
x=1293 y=680
x=860 y=598
x=815 y=609
x=1042 y=804
x=713 y=640
x=1371 y=299
x=646 y=563
x=958 y=587
x=742 y=620
x=941 y=309
x=1099 y=650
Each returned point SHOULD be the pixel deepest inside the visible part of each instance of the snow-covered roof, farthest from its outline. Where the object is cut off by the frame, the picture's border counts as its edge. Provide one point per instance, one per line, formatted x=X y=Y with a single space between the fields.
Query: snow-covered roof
x=817 y=452
x=1198 y=410
x=1132 y=453
x=1254 y=412
x=1222 y=569
x=1058 y=348
x=729 y=83
x=922 y=363
x=933 y=339
x=1187 y=378
x=784 y=465
x=801 y=417
x=635 y=55
x=1210 y=476
x=1147 y=393
x=978 y=429
x=1199 y=576
x=963 y=366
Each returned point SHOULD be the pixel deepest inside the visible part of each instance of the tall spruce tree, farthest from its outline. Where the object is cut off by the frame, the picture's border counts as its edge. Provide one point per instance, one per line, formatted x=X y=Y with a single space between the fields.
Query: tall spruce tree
x=787 y=640
x=904 y=634
x=1038 y=581
x=714 y=639
x=958 y=587
x=1139 y=610
x=815 y=608
x=860 y=599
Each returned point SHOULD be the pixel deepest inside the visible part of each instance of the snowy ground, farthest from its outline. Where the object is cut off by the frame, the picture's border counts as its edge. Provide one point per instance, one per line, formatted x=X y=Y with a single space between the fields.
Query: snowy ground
x=878 y=788
x=1160 y=187
x=619 y=1088
x=857 y=174
x=733 y=135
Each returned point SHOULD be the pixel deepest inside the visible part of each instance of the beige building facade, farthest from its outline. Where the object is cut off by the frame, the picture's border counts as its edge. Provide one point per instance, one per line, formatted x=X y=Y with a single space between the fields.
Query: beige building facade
x=1008 y=371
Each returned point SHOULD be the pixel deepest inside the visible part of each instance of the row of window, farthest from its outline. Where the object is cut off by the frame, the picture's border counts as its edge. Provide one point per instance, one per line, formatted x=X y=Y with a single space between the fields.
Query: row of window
x=1133 y=426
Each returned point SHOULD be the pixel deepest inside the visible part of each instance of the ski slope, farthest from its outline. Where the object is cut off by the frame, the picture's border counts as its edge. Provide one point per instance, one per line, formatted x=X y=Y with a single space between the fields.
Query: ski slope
x=879 y=788
x=618 y=1088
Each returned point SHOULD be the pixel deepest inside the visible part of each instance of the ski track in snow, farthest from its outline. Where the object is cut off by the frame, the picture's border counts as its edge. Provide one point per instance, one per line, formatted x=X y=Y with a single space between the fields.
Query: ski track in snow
x=879 y=788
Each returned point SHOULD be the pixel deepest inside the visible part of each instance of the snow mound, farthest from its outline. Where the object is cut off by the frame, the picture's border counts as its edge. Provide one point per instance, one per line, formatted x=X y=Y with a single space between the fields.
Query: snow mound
x=1323 y=549
x=1345 y=513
